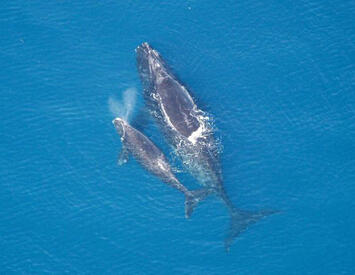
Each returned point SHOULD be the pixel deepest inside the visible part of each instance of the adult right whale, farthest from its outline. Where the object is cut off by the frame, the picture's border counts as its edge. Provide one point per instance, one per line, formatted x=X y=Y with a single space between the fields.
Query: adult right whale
x=188 y=130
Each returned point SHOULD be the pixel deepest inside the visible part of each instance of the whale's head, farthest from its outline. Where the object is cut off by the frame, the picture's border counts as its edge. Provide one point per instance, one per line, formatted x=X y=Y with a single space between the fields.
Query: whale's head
x=149 y=63
x=143 y=52
x=119 y=124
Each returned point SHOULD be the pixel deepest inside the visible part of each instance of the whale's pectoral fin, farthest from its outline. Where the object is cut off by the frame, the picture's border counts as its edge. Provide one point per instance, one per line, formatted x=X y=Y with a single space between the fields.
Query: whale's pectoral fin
x=193 y=198
x=241 y=220
x=123 y=156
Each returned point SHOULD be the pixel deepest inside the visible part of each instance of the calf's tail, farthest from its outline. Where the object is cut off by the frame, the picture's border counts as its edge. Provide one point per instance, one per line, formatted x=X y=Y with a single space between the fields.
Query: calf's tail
x=192 y=198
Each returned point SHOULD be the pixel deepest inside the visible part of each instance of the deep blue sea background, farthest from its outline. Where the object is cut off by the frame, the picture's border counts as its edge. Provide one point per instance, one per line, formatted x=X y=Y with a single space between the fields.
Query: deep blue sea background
x=277 y=78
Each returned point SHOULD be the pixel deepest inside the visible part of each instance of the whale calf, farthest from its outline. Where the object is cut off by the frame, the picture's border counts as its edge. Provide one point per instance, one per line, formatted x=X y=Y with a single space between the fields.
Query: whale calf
x=153 y=160
x=187 y=129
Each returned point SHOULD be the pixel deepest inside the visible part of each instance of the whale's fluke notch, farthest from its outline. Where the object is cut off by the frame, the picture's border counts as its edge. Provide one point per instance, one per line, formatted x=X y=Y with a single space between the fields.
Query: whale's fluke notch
x=192 y=198
x=241 y=220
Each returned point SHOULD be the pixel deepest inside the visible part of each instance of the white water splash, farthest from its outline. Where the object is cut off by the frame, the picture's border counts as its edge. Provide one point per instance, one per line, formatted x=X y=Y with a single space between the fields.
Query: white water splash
x=124 y=107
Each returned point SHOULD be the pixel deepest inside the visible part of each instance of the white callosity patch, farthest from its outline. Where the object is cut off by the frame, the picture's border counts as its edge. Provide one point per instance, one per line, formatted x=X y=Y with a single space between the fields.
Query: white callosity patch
x=159 y=79
x=203 y=128
x=202 y=131
x=162 y=165
x=118 y=122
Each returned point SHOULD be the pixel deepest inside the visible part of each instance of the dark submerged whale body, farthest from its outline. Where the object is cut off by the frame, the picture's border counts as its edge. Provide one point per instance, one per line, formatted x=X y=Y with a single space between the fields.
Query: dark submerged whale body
x=189 y=132
x=153 y=160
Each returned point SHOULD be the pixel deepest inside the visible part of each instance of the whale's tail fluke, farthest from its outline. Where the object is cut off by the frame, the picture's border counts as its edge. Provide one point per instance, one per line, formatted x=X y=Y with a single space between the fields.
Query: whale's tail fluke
x=240 y=220
x=192 y=198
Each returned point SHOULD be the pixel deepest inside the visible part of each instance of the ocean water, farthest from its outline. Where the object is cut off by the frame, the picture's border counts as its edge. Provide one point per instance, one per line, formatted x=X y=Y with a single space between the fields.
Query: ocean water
x=276 y=76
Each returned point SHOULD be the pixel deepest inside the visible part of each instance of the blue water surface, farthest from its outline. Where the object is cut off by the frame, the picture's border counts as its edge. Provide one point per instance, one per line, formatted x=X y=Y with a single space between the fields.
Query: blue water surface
x=277 y=78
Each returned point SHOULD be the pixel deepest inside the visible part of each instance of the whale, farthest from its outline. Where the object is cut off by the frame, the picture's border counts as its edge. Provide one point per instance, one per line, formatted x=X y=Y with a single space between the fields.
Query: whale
x=138 y=145
x=190 y=133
